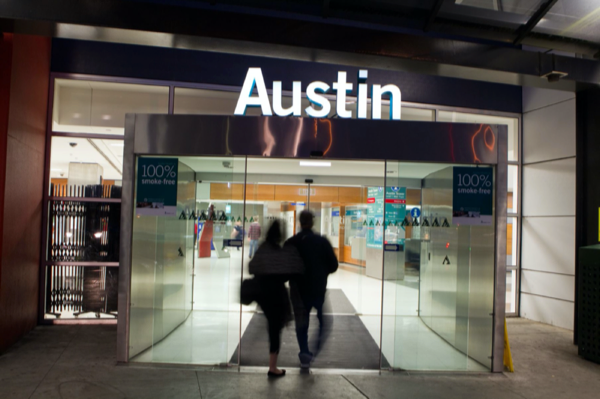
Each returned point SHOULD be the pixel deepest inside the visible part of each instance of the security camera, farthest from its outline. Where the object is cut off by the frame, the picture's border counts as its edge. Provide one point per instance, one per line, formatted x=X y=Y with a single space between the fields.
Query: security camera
x=73 y=144
x=554 y=76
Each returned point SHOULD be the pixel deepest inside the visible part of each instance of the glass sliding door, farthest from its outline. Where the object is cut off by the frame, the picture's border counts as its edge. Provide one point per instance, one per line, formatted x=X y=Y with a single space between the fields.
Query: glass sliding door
x=337 y=193
x=438 y=311
x=162 y=267
x=219 y=249
x=185 y=282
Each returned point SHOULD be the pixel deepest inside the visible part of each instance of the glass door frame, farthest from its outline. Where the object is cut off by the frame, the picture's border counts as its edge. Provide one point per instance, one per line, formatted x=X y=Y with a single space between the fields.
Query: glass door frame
x=193 y=135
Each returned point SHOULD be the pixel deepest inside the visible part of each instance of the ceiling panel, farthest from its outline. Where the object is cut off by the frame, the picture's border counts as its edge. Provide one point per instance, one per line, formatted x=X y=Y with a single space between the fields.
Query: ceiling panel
x=81 y=150
x=579 y=19
x=521 y=7
x=291 y=167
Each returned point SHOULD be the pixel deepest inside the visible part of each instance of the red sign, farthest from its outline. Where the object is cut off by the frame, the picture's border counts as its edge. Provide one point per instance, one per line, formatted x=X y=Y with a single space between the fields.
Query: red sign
x=370 y=200
x=395 y=201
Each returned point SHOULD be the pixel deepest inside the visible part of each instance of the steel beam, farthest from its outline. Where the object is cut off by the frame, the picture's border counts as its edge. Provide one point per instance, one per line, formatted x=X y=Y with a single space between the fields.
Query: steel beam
x=526 y=29
x=434 y=12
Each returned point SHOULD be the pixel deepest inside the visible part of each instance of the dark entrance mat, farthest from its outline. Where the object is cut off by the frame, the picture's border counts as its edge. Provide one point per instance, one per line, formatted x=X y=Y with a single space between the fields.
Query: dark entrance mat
x=336 y=302
x=347 y=342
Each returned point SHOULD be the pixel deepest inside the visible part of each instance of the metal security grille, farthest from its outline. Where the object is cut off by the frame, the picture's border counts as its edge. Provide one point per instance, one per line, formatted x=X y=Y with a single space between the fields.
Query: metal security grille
x=589 y=303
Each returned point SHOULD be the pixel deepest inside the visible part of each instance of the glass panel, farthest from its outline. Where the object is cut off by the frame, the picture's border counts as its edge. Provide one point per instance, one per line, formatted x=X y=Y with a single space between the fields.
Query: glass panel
x=83 y=231
x=511 y=291
x=337 y=197
x=512 y=189
x=512 y=249
x=512 y=123
x=164 y=323
x=99 y=107
x=208 y=102
x=214 y=102
x=408 y=114
x=576 y=19
x=83 y=167
x=215 y=330
x=437 y=306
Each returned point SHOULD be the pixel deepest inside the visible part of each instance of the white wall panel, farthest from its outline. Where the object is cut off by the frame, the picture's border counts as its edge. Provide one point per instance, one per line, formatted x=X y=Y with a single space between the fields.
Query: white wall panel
x=549 y=133
x=548 y=206
x=557 y=286
x=549 y=188
x=548 y=244
x=547 y=310
x=534 y=98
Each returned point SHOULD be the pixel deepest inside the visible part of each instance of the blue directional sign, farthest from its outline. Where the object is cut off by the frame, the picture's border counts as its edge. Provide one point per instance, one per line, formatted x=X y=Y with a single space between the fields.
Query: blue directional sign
x=415 y=212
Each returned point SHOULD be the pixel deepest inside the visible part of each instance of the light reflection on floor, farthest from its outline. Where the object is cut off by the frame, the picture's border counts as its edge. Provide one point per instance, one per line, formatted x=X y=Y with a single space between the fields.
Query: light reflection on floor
x=211 y=333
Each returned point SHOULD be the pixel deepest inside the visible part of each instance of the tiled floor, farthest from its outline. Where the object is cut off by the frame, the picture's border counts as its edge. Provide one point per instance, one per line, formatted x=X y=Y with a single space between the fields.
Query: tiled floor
x=211 y=334
x=67 y=362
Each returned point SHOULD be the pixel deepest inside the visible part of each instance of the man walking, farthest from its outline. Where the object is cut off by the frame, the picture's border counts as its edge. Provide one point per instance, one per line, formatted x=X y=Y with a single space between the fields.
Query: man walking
x=254 y=235
x=308 y=290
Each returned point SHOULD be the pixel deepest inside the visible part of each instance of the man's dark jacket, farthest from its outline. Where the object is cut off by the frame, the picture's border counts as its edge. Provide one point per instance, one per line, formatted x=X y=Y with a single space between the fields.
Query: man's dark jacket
x=319 y=261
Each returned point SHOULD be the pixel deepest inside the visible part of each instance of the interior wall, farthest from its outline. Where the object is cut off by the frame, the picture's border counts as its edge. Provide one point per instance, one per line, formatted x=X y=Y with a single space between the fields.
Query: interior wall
x=548 y=229
x=25 y=67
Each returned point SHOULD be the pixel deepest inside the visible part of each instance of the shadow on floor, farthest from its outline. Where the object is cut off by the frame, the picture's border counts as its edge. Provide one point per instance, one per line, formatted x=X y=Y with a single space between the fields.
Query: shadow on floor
x=80 y=362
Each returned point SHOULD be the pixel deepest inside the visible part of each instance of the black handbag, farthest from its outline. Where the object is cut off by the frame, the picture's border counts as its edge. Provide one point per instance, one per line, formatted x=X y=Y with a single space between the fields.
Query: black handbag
x=249 y=291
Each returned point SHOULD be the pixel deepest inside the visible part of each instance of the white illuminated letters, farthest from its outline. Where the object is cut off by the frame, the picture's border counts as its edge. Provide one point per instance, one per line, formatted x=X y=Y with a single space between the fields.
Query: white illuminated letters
x=296 y=108
x=254 y=77
x=318 y=100
x=361 y=104
x=395 y=98
x=315 y=92
x=342 y=89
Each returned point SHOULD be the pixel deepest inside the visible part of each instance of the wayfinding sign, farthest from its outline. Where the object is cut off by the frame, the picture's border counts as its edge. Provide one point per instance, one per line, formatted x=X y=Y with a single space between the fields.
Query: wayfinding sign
x=472 y=196
x=395 y=205
x=375 y=197
x=156 y=187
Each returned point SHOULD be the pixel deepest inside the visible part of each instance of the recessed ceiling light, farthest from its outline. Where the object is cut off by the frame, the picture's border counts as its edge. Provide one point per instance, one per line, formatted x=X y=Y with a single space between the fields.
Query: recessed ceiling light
x=106 y=117
x=315 y=163
x=76 y=115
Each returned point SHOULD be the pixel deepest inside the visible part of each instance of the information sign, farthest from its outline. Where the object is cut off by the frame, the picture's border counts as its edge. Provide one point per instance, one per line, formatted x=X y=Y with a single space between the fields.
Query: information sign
x=395 y=205
x=415 y=213
x=156 y=187
x=375 y=217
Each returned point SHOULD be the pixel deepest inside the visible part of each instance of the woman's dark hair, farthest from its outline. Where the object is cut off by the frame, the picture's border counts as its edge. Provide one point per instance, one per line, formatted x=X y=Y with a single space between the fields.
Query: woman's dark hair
x=274 y=233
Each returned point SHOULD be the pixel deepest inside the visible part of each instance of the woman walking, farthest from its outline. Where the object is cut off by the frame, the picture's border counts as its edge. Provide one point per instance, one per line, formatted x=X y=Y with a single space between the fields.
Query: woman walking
x=272 y=266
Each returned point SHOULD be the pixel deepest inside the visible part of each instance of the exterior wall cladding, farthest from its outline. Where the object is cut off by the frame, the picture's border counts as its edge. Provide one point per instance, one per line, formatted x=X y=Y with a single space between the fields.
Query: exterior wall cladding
x=548 y=230
x=24 y=76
